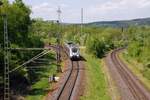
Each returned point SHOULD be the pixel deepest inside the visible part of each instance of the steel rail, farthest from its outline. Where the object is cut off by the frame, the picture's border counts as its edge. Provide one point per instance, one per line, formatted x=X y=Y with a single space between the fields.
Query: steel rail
x=62 y=89
x=124 y=77
x=136 y=91
x=64 y=86
x=76 y=77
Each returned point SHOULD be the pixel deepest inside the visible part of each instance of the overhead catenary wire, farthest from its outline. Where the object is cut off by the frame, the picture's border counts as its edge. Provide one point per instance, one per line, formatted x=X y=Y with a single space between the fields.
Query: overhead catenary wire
x=36 y=57
x=29 y=49
x=32 y=49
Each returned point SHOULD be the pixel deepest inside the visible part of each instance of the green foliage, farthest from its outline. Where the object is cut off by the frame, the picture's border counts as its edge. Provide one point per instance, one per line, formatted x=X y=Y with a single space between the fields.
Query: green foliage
x=139 y=47
x=18 y=16
x=96 y=88
x=19 y=35
x=42 y=86
x=96 y=46
x=100 y=43
x=131 y=49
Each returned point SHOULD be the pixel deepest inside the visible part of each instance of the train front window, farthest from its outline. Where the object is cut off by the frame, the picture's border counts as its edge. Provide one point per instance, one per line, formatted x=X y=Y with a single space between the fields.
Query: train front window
x=74 y=49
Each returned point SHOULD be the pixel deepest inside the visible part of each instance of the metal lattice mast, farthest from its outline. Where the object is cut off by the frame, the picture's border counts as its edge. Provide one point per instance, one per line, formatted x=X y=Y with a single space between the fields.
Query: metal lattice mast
x=81 y=20
x=58 y=40
x=81 y=39
x=6 y=62
x=59 y=13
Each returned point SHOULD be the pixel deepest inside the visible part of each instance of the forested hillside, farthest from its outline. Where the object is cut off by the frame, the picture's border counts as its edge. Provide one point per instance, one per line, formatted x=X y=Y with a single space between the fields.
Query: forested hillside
x=122 y=23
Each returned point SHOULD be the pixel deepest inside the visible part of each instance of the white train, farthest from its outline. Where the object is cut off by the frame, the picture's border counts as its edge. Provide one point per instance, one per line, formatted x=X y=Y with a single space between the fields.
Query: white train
x=74 y=53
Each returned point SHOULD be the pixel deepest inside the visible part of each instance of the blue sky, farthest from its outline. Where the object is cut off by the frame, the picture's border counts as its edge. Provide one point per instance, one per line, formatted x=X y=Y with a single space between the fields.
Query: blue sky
x=94 y=10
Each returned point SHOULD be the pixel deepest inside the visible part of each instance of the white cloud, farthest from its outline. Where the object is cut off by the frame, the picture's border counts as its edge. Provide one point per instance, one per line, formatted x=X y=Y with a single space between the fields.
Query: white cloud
x=94 y=10
x=47 y=11
x=43 y=10
x=44 y=7
x=118 y=9
x=114 y=5
x=144 y=3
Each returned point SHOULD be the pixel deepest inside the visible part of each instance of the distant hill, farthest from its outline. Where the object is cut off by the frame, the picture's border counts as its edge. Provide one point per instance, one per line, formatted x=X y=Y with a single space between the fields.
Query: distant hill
x=122 y=23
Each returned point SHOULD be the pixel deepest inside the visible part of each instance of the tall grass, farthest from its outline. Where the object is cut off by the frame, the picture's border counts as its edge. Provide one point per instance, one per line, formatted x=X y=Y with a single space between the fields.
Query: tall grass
x=96 y=87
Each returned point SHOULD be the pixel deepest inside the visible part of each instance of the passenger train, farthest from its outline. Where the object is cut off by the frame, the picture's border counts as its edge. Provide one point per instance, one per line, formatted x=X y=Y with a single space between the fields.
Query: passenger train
x=73 y=49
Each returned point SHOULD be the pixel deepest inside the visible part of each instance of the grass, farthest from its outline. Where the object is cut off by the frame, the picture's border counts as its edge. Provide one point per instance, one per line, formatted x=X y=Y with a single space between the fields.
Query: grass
x=96 y=84
x=136 y=67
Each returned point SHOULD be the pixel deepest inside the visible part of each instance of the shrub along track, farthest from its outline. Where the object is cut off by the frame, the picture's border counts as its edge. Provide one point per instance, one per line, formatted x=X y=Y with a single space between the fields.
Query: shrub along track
x=129 y=86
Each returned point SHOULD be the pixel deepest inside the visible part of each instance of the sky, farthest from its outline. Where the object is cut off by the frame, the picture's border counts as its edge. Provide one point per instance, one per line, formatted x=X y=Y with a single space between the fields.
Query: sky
x=93 y=10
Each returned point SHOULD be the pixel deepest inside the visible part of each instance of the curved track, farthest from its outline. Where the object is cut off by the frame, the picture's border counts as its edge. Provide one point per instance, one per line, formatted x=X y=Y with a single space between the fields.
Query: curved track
x=135 y=88
x=65 y=92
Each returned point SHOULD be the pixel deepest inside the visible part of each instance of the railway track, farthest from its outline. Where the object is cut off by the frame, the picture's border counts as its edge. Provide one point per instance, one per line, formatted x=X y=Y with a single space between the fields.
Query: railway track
x=66 y=91
x=70 y=86
x=135 y=87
